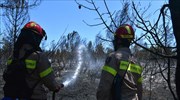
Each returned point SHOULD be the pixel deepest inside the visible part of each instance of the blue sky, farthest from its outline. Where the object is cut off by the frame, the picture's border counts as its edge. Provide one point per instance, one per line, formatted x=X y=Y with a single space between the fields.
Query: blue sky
x=57 y=16
x=63 y=16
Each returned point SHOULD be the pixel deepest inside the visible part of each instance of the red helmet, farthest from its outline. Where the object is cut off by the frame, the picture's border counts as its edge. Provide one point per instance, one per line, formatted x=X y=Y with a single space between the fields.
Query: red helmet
x=35 y=28
x=125 y=31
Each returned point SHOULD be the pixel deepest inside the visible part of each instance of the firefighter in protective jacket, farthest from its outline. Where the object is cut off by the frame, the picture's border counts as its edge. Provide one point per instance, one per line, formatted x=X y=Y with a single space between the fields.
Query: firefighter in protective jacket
x=121 y=77
x=37 y=64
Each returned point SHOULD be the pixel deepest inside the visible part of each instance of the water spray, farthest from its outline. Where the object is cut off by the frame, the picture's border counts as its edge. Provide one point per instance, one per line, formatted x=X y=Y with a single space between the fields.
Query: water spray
x=79 y=64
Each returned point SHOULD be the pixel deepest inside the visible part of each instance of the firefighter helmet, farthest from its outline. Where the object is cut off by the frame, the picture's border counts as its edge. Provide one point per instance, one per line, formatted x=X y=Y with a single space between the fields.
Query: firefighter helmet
x=125 y=32
x=36 y=28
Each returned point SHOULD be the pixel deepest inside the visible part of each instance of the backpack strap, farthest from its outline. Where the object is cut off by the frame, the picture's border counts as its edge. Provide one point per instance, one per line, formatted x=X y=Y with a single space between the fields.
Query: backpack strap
x=27 y=54
x=36 y=83
x=117 y=82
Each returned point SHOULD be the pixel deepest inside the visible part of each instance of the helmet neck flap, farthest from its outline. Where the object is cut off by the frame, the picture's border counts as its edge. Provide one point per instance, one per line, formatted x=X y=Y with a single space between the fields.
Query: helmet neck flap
x=29 y=35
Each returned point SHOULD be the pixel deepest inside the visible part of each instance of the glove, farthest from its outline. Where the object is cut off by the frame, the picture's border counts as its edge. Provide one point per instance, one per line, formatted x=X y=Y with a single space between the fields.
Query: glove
x=59 y=87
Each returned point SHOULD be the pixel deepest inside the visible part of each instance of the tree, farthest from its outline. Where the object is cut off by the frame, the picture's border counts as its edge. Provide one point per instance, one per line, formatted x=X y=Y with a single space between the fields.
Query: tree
x=15 y=15
x=157 y=36
x=63 y=53
x=175 y=15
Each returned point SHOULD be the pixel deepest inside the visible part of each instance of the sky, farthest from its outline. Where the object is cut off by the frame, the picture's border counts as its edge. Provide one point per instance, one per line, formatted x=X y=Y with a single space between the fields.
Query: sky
x=60 y=17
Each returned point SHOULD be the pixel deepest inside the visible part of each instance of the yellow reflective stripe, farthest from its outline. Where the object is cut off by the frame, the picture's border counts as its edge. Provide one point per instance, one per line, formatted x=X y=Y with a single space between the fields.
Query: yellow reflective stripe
x=9 y=61
x=46 y=72
x=124 y=64
x=132 y=67
x=31 y=64
x=136 y=68
x=140 y=80
x=110 y=70
x=128 y=29
x=127 y=36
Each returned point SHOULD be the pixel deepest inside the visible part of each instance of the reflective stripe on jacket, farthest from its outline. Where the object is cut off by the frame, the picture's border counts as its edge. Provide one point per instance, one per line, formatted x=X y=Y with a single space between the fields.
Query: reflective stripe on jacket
x=125 y=65
x=38 y=64
x=117 y=63
x=31 y=64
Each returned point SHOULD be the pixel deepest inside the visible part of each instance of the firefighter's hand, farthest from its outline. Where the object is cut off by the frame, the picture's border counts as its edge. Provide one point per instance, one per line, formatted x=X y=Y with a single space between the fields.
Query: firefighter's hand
x=59 y=87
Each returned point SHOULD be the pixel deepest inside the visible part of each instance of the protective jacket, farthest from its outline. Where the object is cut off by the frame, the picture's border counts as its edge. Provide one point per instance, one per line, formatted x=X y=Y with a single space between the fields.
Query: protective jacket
x=118 y=62
x=41 y=73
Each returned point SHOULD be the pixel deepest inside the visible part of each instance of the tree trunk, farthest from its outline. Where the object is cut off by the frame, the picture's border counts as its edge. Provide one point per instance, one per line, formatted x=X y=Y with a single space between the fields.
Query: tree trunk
x=174 y=6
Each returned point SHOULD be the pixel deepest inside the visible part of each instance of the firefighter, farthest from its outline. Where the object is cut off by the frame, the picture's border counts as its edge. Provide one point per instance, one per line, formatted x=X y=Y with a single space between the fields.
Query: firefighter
x=121 y=76
x=37 y=64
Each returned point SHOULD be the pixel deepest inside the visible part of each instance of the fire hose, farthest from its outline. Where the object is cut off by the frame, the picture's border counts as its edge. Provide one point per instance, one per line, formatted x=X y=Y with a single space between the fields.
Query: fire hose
x=54 y=92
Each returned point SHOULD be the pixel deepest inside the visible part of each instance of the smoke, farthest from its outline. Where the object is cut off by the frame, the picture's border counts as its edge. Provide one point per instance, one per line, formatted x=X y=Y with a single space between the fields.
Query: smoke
x=86 y=64
x=79 y=65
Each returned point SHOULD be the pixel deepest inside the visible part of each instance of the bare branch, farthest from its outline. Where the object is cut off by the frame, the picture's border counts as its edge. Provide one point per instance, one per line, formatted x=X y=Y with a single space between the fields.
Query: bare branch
x=104 y=39
x=156 y=53
x=110 y=15
x=84 y=5
x=95 y=8
x=93 y=24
